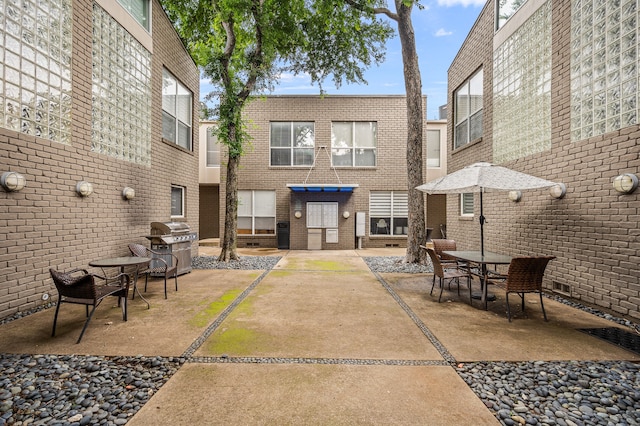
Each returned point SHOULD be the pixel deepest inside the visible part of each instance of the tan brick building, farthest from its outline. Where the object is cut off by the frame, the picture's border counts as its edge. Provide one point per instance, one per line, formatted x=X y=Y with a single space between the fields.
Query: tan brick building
x=318 y=166
x=99 y=91
x=551 y=89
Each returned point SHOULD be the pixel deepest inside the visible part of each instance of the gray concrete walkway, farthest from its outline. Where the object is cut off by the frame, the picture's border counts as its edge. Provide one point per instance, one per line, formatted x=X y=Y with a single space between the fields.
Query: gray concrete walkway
x=318 y=340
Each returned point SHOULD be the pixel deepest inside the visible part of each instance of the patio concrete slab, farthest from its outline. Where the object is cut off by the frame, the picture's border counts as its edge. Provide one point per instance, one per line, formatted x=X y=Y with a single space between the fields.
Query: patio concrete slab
x=472 y=334
x=333 y=312
x=166 y=329
x=267 y=394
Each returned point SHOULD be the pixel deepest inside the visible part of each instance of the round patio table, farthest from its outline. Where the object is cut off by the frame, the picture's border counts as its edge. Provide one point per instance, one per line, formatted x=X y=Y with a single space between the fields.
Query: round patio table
x=122 y=263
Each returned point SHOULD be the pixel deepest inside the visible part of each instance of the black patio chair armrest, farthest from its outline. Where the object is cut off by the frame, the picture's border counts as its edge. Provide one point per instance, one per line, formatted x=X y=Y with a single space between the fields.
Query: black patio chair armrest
x=73 y=271
x=116 y=278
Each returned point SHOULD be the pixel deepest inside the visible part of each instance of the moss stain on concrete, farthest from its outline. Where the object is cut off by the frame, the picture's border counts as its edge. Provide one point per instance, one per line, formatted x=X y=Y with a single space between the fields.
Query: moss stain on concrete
x=213 y=309
x=234 y=341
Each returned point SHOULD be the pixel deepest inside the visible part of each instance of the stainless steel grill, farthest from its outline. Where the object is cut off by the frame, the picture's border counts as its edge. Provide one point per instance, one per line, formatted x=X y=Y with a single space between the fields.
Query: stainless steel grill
x=173 y=238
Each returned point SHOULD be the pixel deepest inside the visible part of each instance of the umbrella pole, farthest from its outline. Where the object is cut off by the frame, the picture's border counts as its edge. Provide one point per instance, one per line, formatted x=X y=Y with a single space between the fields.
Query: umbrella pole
x=481 y=225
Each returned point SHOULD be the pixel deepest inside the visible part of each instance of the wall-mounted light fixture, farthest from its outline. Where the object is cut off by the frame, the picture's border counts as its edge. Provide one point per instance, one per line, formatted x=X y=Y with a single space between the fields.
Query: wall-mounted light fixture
x=346 y=215
x=12 y=181
x=515 y=196
x=625 y=183
x=558 y=190
x=128 y=193
x=298 y=214
x=84 y=188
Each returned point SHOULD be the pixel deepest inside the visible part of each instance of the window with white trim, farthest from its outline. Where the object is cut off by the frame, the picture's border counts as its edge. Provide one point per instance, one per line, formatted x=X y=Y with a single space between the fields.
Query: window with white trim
x=505 y=10
x=292 y=143
x=213 y=148
x=256 y=212
x=433 y=148
x=177 y=105
x=354 y=144
x=468 y=111
x=388 y=213
x=177 y=201
x=139 y=9
x=466 y=204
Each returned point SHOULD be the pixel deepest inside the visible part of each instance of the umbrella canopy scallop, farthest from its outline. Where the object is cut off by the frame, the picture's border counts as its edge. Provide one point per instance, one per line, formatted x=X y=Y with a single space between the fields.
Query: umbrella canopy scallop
x=484 y=177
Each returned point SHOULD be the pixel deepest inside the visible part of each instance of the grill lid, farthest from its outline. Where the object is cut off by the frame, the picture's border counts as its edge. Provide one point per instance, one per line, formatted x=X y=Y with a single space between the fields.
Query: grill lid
x=166 y=228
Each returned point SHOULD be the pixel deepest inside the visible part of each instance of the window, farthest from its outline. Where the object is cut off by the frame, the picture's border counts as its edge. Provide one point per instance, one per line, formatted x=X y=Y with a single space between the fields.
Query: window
x=505 y=10
x=388 y=213
x=353 y=144
x=121 y=85
x=139 y=9
x=177 y=101
x=177 y=201
x=257 y=212
x=468 y=111
x=292 y=143
x=35 y=68
x=433 y=148
x=213 y=148
x=466 y=204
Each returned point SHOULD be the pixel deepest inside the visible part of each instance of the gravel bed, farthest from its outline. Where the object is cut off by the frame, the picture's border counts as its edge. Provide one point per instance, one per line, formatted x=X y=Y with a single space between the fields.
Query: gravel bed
x=557 y=393
x=245 y=262
x=391 y=264
x=78 y=390
x=95 y=390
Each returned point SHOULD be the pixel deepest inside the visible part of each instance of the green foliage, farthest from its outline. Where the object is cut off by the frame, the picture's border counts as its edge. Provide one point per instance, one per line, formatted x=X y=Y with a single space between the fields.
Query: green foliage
x=243 y=46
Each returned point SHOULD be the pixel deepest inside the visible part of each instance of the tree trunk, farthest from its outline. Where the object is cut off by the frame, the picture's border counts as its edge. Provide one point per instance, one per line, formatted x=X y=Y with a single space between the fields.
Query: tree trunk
x=230 y=236
x=415 y=120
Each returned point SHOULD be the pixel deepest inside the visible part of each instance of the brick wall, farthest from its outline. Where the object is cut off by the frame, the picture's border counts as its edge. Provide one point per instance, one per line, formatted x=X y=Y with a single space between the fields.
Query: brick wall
x=390 y=173
x=593 y=231
x=46 y=224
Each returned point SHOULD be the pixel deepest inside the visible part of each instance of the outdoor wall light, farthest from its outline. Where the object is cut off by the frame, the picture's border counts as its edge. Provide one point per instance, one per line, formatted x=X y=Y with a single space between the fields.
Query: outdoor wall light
x=84 y=188
x=12 y=181
x=515 y=196
x=346 y=215
x=625 y=183
x=128 y=193
x=558 y=191
x=298 y=214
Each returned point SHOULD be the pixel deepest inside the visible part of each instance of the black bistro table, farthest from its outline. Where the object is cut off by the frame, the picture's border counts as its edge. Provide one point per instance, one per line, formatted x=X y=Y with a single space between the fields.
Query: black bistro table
x=482 y=260
x=122 y=263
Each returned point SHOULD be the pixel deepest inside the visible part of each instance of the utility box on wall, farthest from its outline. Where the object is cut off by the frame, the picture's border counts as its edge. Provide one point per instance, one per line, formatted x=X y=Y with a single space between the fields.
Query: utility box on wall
x=360 y=224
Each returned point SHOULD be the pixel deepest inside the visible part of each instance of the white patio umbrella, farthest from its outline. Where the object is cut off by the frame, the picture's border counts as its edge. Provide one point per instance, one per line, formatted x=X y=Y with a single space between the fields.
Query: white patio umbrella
x=483 y=177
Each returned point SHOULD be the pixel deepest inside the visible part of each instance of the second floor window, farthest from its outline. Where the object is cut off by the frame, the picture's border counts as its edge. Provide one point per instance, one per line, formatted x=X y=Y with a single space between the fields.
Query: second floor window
x=139 y=9
x=353 y=144
x=468 y=111
x=176 y=111
x=433 y=148
x=292 y=143
x=213 y=148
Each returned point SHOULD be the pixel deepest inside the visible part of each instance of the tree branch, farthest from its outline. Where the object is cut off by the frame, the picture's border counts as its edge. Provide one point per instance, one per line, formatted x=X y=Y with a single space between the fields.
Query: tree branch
x=375 y=10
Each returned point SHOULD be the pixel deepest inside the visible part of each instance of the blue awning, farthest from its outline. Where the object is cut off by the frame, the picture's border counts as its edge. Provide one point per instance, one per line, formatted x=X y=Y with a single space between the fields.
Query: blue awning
x=321 y=187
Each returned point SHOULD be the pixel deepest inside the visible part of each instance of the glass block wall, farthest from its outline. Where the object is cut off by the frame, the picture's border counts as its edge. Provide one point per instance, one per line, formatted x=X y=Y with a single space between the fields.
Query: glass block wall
x=121 y=104
x=35 y=67
x=522 y=90
x=604 y=66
